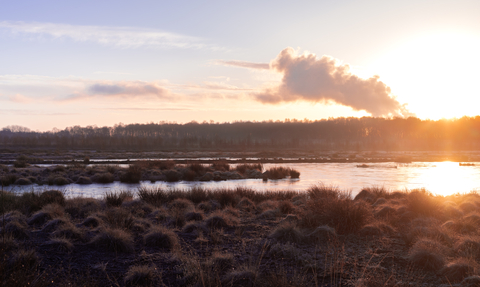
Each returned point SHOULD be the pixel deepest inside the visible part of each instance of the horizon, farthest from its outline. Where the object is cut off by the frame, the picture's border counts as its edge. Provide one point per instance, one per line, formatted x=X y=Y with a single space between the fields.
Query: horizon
x=100 y=64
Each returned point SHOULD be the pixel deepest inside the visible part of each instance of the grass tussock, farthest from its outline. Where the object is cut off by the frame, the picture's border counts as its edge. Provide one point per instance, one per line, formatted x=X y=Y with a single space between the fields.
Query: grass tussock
x=220 y=219
x=163 y=238
x=143 y=275
x=117 y=198
x=281 y=172
x=329 y=206
x=287 y=232
x=240 y=237
x=114 y=240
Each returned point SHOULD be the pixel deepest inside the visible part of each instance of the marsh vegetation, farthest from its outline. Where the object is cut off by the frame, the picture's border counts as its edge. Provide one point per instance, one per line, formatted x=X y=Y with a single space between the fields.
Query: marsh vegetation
x=151 y=170
x=240 y=237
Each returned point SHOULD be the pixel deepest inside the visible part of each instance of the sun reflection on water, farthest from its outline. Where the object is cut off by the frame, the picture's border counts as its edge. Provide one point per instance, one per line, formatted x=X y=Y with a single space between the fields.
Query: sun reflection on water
x=449 y=177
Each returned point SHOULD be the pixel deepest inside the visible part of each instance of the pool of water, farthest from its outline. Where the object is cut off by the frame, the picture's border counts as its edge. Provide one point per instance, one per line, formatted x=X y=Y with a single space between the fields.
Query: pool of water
x=438 y=177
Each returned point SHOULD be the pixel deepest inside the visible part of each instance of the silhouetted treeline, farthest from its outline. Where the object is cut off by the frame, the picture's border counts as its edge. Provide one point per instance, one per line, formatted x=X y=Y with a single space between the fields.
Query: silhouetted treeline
x=365 y=133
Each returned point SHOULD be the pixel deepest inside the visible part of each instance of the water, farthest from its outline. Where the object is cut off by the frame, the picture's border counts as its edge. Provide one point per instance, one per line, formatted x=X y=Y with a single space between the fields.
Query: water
x=438 y=177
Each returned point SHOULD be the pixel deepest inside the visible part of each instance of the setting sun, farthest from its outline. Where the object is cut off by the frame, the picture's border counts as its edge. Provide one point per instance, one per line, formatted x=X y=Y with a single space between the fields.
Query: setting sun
x=436 y=74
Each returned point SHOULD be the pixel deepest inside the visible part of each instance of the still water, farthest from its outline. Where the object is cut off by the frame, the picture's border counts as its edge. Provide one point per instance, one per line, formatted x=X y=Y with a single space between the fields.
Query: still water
x=438 y=177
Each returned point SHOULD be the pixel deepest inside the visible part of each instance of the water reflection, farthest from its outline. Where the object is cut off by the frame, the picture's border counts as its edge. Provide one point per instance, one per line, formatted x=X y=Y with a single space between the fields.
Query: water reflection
x=438 y=177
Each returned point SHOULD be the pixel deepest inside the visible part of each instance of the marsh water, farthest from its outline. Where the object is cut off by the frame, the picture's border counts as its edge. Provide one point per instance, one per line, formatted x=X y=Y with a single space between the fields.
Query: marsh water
x=438 y=177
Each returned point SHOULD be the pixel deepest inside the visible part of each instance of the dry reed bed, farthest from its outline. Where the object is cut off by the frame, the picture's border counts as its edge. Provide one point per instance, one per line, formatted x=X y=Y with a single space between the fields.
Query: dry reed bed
x=240 y=237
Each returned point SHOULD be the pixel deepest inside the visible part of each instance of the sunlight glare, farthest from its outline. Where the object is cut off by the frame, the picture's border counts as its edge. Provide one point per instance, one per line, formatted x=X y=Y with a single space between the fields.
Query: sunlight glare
x=435 y=74
x=448 y=178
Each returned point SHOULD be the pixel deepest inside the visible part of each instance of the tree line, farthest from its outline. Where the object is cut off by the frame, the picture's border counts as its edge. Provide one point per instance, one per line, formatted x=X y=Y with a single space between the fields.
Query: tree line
x=367 y=133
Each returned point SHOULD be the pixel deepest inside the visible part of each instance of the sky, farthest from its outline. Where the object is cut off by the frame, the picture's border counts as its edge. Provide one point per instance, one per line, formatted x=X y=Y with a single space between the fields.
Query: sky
x=68 y=63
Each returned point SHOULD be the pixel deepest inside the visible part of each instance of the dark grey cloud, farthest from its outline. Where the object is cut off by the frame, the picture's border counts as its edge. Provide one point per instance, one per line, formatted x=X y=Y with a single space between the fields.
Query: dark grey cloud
x=312 y=79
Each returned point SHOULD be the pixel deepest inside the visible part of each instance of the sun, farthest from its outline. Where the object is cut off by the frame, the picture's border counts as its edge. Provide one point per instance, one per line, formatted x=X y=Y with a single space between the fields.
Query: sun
x=436 y=74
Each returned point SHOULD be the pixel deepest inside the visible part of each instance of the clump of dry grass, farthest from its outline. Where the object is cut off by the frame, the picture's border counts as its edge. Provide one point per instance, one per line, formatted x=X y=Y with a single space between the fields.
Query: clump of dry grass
x=161 y=237
x=246 y=204
x=194 y=216
x=428 y=255
x=117 y=198
x=290 y=252
x=132 y=175
x=115 y=240
x=92 y=221
x=17 y=230
x=117 y=217
x=181 y=205
x=460 y=268
x=471 y=281
x=220 y=219
x=332 y=207
x=137 y=207
x=143 y=275
x=60 y=243
x=48 y=212
x=246 y=276
x=287 y=232
x=280 y=172
x=423 y=203
x=242 y=168
x=54 y=224
x=81 y=207
x=104 y=177
x=69 y=231
x=322 y=234
x=468 y=246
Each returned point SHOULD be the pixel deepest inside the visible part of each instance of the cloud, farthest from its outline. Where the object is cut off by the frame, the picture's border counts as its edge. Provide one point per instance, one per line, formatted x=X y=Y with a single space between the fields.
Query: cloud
x=145 y=109
x=121 y=37
x=242 y=64
x=34 y=112
x=312 y=79
x=123 y=89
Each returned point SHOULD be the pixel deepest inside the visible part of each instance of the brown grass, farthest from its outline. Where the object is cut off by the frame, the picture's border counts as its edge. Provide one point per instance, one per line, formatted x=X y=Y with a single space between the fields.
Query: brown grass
x=143 y=275
x=114 y=240
x=162 y=238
